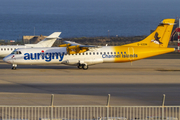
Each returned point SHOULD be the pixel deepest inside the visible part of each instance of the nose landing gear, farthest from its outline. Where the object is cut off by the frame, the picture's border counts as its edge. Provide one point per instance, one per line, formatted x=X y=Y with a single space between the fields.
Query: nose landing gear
x=14 y=66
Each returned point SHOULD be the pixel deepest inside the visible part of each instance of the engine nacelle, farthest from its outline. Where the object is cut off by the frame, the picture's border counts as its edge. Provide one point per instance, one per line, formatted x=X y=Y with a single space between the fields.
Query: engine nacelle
x=74 y=49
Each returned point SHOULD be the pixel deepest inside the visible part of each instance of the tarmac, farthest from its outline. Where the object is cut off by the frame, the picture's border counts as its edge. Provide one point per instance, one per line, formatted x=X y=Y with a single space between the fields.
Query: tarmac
x=141 y=83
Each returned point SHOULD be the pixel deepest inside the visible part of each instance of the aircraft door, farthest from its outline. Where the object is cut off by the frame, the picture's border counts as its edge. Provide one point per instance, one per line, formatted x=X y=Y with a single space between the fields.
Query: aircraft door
x=131 y=53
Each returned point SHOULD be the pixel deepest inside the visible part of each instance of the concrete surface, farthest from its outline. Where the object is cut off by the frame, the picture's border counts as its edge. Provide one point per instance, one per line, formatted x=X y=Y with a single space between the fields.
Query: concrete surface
x=143 y=83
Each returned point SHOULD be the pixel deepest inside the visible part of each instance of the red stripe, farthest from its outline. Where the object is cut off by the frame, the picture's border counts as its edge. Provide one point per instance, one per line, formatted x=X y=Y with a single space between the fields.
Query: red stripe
x=178 y=37
x=178 y=44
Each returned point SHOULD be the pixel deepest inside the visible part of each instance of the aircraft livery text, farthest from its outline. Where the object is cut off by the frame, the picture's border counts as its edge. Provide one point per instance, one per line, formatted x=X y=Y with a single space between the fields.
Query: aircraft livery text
x=44 y=56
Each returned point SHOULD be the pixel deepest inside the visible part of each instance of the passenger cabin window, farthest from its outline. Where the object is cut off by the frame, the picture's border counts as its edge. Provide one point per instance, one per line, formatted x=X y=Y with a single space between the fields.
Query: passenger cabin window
x=115 y=53
x=90 y=53
x=86 y=53
x=111 y=53
x=108 y=53
x=4 y=48
x=101 y=53
x=1 y=49
x=93 y=53
x=97 y=53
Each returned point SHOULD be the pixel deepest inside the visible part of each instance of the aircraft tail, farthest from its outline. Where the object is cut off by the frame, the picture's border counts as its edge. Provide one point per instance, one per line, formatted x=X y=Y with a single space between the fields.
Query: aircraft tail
x=159 y=38
x=47 y=42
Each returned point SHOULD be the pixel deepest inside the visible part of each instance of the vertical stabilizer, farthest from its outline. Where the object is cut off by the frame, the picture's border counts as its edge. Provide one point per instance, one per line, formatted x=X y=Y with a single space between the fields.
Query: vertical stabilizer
x=159 y=38
x=48 y=41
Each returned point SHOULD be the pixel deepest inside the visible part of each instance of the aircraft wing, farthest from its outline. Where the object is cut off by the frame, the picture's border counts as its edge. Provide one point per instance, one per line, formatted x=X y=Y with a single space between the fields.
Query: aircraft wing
x=74 y=48
x=80 y=45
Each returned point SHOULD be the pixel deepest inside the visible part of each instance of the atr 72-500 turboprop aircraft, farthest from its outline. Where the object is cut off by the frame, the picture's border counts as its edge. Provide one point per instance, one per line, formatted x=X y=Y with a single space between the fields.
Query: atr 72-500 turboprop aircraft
x=47 y=42
x=82 y=56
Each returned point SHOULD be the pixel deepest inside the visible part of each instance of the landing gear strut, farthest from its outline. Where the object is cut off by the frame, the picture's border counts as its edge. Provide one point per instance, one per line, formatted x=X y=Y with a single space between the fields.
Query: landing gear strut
x=14 y=66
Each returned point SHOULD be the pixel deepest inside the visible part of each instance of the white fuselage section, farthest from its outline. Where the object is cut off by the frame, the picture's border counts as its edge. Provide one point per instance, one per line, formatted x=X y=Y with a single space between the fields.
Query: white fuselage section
x=47 y=42
x=7 y=49
x=58 y=55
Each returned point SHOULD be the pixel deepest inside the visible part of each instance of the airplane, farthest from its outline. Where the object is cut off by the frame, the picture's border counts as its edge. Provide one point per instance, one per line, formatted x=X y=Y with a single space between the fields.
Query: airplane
x=82 y=56
x=47 y=42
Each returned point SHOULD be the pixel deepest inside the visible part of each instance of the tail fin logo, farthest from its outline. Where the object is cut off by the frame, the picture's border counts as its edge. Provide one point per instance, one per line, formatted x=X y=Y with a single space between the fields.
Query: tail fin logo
x=156 y=39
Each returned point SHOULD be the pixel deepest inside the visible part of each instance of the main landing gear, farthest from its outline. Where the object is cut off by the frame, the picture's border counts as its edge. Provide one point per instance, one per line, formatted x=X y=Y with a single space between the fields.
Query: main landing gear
x=83 y=66
x=14 y=66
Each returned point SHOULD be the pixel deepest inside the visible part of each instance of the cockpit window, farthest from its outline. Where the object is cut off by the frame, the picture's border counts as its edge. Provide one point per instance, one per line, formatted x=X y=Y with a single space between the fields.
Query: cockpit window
x=13 y=52
x=16 y=52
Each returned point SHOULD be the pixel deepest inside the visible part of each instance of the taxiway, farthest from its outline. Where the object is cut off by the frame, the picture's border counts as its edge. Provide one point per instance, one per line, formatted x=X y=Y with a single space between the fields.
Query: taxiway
x=142 y=83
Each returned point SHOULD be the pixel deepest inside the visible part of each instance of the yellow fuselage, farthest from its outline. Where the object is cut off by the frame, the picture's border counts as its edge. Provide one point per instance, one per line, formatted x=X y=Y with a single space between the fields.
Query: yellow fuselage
x=126 y=54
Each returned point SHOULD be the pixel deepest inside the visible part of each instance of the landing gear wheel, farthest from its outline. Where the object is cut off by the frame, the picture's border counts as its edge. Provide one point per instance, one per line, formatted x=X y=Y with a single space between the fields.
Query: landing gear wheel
x=80 y=66
x=85 y=67
x=13 y=68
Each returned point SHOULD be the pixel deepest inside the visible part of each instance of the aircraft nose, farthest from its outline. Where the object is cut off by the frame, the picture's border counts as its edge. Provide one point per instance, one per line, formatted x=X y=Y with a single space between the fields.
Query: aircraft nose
x=7 y=59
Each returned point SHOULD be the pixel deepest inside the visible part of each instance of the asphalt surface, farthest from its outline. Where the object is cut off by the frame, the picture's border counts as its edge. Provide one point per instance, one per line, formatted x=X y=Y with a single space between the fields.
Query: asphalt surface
x=142 y=83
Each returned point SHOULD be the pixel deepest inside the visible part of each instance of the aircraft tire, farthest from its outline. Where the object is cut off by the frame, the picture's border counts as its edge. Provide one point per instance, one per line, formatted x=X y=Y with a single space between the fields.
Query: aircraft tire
x=13 y=68
x=85 y=67
x=80 y=66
